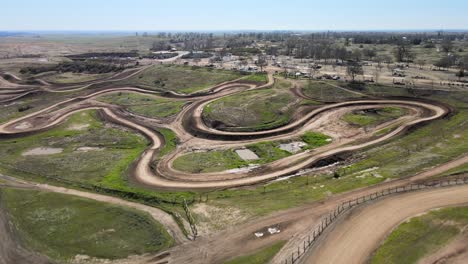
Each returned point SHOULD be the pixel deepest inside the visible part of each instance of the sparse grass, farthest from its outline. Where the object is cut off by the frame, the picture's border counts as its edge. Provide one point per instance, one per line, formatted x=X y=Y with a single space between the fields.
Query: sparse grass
x=421 y=236
x=220 y=160
x=253 y=110
x=170 y=139
x=267 y=151
x=435 y=143
x=70 y=77
x=182 y=79
x=315 y=139
x=373 y=117
x=34 y=103
x=62 y=226
x=260 y=257
x=325 y=91
x=279 y=195
x=103 y=170
x=256 y=77
x=114 y=146
x=145 y=105
x=211 y=161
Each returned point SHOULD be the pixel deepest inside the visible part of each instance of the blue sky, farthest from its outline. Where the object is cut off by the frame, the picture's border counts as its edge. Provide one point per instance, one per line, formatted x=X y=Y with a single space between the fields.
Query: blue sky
x=233 y=15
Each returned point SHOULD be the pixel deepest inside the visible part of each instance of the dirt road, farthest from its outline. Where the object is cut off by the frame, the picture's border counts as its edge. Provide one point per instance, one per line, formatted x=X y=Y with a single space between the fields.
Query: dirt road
x=357 y=235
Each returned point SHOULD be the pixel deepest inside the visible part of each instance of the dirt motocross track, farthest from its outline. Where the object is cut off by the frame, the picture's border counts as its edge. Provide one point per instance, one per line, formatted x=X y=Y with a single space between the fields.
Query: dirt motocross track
x=194 y=133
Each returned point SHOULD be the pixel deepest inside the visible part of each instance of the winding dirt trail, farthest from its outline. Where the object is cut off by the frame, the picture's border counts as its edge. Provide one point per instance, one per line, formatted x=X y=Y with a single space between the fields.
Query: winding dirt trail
x=168 y=178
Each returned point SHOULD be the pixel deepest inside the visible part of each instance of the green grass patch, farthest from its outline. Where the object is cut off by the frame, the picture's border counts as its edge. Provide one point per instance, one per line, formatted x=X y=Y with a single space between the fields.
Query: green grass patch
x=82 y=130
x=256 y=77
x=267 y=151
x=288 y=193
x=71 y=77
x=221 y=160
x=261 y=257
x=253 y=110
x=105 y=170
x=436 y=143
x=182 y=79
x=315 y=139
x=421 y=236
x=210 y=161
x=373 y=117
x=170 y=139
x=145 y=105
x=62 y=226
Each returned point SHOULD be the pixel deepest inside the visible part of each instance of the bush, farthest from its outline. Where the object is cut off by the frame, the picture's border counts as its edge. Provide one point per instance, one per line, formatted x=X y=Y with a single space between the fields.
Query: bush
x=76 y=67
x=360 y=86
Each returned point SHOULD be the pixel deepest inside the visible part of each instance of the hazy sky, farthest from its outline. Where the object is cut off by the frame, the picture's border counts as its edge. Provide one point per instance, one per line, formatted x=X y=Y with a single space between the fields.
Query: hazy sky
x=233 y=15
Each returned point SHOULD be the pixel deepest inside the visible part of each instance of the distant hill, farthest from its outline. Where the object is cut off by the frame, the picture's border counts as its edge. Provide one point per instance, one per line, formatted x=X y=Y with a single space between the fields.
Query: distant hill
x=11 y=33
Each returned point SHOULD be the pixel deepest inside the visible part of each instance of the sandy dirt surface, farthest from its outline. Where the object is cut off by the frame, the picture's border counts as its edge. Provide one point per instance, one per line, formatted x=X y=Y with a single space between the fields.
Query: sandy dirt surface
x=359 y=233
x=42 y=151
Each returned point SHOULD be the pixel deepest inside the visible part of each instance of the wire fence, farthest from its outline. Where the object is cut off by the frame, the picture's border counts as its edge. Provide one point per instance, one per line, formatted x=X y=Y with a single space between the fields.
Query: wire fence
x=348 y=205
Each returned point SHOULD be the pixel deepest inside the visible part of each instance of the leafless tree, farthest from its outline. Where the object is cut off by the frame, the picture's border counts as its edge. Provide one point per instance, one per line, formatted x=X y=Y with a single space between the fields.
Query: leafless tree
x=353 y=70
x=403 y=52
x=262 y=61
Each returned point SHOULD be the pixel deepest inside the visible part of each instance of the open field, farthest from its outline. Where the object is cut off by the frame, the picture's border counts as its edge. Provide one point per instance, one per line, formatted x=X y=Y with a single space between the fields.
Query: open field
x=327 y=91
x=181 y=79
x=373 y=117
x=91 y=151
x=211 y=161
x=68 y=77
x=252 y=110
x=49 y=223
x=144 y=105
x=267 y=151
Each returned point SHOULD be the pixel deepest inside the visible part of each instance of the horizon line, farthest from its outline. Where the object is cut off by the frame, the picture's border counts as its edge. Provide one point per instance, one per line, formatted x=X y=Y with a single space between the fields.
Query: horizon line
x=221 y=30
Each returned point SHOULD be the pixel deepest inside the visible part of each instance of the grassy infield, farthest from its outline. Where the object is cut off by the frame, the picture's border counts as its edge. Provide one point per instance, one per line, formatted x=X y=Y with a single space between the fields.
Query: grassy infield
x=182 y=79
x=220 y=160
x=254 y=110
x=144 y=105
x=360 y=118
x=432 y=144
x=421 y=236
x=70 y=77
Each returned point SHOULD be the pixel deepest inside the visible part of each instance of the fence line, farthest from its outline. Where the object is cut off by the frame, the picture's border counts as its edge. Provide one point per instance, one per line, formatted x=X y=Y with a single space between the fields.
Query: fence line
x=349 y=204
